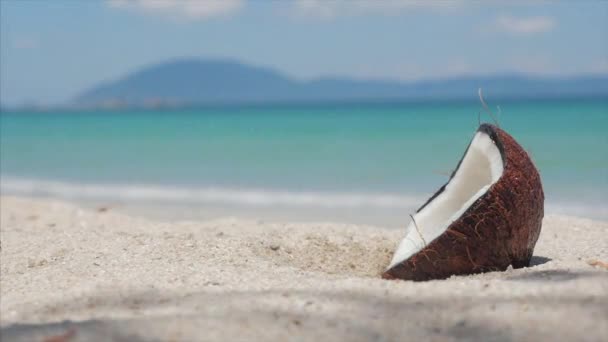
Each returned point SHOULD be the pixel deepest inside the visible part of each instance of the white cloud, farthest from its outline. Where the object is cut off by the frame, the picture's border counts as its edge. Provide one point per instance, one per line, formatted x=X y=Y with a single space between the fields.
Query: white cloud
x=599 y=67
x=334 y=8
x=531 y=63
x=193 y=9
x=25 y=42
x=525 y=26
x=401 y=70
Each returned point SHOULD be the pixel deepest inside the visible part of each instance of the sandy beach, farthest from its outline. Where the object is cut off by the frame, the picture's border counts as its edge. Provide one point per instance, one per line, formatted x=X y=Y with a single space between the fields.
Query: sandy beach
x=97 y=274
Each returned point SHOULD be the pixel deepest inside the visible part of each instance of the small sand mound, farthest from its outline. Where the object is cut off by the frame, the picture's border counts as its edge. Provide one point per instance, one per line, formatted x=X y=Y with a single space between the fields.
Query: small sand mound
x=346 y=253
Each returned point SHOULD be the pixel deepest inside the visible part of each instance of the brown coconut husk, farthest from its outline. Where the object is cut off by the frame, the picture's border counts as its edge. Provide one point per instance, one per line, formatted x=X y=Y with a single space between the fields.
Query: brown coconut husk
x=499 y=229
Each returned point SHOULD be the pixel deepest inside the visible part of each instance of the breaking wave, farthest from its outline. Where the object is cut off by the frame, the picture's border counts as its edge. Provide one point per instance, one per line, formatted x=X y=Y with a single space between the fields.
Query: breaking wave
x=250 y=197
x=210 y=195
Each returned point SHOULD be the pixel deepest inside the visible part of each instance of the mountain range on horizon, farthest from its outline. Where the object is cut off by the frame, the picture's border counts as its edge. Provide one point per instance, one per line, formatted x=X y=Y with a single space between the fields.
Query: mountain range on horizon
x=187 y=82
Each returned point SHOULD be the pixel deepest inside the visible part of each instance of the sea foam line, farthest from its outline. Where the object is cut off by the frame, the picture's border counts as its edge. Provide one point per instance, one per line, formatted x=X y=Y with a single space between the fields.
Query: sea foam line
x=250 y=197
x=253 y=197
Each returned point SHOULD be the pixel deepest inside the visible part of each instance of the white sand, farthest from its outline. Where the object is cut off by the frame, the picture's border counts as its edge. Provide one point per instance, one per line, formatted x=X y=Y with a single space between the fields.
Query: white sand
x=124 y=278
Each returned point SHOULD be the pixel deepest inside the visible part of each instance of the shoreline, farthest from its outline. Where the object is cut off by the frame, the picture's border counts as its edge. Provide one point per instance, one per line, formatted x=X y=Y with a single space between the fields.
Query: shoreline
x=194 y=203
x=111 y=275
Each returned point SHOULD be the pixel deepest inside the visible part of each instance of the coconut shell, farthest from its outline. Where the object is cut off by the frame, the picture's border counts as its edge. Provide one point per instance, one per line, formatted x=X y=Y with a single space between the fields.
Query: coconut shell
x=499 y=229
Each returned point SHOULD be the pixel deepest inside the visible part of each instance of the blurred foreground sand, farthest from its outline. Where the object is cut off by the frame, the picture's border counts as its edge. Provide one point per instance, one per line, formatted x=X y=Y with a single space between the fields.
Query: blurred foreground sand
x=115 y=277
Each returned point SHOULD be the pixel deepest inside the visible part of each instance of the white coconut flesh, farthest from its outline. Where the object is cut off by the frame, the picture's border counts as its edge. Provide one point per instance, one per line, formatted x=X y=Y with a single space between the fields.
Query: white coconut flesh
x=481 y=167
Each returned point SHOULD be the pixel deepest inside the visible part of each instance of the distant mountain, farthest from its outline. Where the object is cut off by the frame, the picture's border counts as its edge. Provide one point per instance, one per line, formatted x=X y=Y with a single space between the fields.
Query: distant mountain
x=201 y=82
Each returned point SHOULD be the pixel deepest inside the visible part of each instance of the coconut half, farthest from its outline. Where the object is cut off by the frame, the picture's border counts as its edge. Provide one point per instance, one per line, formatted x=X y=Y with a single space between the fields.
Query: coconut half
x=486 y=217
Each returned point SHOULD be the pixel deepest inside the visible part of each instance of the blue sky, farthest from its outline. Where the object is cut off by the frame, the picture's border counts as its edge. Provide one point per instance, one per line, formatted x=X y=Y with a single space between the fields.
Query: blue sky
x=52 y=50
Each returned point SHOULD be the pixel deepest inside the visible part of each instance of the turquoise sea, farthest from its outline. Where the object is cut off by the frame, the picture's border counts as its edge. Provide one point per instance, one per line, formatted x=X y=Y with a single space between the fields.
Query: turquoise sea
x=356 y=158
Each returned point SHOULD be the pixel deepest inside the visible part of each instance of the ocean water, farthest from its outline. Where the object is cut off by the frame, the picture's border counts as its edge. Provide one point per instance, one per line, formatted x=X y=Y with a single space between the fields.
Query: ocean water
x=368 y=160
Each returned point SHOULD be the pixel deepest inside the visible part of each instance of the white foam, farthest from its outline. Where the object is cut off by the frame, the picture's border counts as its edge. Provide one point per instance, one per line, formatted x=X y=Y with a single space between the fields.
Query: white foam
x=213 y=195
x=252 y=197
x=597 y=211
